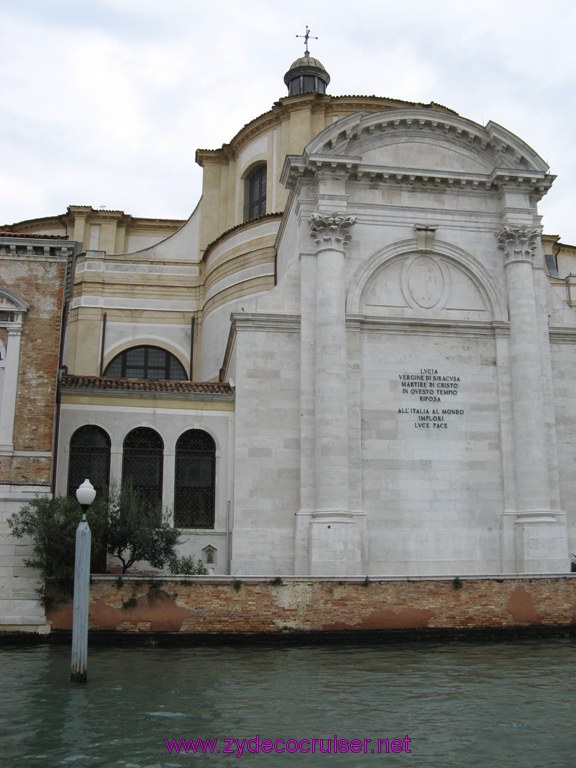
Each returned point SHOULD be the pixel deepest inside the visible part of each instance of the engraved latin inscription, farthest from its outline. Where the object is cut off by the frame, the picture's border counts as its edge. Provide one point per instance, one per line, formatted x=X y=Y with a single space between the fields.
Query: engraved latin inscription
x=434 y=396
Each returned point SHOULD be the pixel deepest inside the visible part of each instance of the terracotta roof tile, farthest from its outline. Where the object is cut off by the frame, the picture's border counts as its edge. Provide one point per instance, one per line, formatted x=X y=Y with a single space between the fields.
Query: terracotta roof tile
x=35 y=235
x=69 y=381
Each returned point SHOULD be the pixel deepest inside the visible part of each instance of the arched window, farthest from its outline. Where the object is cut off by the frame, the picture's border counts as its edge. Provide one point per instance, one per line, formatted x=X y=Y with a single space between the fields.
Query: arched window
x=142 y=464
x=12 y=311
x=145 y=362
x=256 y=193
x=89 y=459
x=194 y=495
x=2 y=364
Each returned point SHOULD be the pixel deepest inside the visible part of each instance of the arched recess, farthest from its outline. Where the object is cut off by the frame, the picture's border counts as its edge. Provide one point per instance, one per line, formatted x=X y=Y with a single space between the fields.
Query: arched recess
x=89 y=459
x=145 y=361
x=255 y=191
x=143 y=464
x=2 y=366
x=455 y=275
x=195 y=480
x=12 y=311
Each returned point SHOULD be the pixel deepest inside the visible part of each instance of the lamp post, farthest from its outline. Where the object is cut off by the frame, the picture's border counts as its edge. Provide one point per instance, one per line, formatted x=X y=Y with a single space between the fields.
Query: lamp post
x=78 y=670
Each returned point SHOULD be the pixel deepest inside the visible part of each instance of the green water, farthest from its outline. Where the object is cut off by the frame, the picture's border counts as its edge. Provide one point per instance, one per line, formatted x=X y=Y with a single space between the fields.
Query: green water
x=466 y=705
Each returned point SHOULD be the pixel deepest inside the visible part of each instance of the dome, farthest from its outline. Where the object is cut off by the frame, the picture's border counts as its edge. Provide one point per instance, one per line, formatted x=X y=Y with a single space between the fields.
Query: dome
x=306 y=61
x=306 y=75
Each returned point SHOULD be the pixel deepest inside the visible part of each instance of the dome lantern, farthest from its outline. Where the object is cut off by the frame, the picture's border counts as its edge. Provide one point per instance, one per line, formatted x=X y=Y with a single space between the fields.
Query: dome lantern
x=306 y=74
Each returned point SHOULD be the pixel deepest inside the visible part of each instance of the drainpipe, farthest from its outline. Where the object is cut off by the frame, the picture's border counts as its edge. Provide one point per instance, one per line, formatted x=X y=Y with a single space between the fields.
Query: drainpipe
x=228 y=538
x=103 y=342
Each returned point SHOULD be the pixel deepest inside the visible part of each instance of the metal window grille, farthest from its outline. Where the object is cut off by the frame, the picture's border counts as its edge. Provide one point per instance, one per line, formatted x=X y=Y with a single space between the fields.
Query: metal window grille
x=194 y=491
x=257 y=192
x=89 y=458
x=142 y=464
x=145 y=362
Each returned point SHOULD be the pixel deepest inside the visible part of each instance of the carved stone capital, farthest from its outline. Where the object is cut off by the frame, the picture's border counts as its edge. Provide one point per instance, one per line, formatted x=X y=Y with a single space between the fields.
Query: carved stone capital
x=519 y=243
x=331 y=229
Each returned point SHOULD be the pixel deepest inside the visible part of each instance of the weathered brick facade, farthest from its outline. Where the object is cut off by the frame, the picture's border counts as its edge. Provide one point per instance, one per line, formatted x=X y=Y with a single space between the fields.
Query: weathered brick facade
x=41 y=283
x=208 y=605
x=33 y=279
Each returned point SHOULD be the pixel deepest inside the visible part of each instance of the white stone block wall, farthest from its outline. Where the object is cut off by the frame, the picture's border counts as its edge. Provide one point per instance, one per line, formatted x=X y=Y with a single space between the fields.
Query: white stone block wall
x=267 y=449
x=20 y=606
x=431 y=469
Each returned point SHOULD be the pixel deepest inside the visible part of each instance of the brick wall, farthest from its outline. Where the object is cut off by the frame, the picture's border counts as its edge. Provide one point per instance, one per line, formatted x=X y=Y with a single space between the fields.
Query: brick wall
x=296 y=604
x=34 y=269
x=41 y=284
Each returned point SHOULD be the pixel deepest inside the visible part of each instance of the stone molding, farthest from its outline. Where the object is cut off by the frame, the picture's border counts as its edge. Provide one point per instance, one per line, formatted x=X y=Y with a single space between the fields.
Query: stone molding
x=509 y=163
x=427 y=326
x=519 y=243
x=508 y=152
x=35 y=249
x=530 y=182
x=264 y=321
x=560 y=335
x=331 y=230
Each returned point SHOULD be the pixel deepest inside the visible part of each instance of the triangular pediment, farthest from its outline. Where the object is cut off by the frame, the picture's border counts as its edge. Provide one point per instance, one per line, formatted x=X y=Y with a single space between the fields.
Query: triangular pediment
x=11 y=302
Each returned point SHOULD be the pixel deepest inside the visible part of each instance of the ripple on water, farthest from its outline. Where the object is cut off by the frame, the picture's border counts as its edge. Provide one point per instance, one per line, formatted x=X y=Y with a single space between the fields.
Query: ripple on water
x=461 y=704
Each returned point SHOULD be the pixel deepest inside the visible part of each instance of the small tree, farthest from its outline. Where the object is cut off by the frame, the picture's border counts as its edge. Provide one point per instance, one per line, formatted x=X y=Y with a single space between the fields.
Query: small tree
x=51 y=524
x=123 y=525
x=137 y=530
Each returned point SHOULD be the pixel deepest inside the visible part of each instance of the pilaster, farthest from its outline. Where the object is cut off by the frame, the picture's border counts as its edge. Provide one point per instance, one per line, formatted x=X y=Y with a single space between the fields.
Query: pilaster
x=10 y=387
x=331 y=234
x=334 y=534
x=540 y=532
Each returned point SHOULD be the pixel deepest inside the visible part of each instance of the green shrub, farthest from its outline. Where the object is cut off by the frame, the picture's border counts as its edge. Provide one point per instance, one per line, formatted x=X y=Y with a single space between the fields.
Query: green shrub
x=186 y=566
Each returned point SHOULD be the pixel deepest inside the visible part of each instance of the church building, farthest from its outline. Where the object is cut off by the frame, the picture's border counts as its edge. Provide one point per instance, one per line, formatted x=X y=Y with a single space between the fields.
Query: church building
x=355 y=358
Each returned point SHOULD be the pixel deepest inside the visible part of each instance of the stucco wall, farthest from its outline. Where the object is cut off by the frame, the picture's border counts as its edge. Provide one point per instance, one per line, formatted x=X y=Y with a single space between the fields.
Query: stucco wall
x=224 y=604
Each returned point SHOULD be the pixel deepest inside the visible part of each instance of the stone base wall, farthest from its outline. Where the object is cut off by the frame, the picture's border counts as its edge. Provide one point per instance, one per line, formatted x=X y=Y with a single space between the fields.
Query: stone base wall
x=292 y=604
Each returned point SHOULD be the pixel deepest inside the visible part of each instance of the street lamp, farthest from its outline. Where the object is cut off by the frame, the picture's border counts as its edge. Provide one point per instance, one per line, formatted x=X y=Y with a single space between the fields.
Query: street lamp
x=78 y=670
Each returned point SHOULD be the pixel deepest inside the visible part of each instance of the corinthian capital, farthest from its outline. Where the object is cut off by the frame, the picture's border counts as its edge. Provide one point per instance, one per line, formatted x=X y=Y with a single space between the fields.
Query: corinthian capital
x=331 y=229
x=519 y=243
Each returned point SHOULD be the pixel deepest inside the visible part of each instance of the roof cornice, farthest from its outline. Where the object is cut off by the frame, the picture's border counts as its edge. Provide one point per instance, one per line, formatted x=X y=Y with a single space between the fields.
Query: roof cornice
x=313 y=101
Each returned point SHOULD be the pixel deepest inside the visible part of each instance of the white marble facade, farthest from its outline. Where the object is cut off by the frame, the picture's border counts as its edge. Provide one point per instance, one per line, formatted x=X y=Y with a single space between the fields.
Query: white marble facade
x=398 y=392
x=378 y=351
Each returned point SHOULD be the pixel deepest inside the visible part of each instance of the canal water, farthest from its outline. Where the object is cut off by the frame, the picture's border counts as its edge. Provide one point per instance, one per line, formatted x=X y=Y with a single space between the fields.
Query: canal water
x=460 y=704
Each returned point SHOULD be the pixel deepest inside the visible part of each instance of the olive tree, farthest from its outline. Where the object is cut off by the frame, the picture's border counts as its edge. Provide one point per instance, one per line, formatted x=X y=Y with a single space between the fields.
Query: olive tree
x=51 y=526
x=138 y=531
x=123 y=524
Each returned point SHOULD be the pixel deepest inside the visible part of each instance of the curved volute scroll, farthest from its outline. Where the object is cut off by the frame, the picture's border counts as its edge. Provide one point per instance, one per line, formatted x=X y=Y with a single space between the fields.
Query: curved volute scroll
x=331 y=230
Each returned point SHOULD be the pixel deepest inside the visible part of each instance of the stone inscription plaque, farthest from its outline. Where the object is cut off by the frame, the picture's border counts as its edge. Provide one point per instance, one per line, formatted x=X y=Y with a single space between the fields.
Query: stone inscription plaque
x=433 y=398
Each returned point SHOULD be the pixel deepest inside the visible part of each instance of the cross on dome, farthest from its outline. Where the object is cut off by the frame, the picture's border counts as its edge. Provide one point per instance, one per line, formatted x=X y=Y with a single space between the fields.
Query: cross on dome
x=306 y=37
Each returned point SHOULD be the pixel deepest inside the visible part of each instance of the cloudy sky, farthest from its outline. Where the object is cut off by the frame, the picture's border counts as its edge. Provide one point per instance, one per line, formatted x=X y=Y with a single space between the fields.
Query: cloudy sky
x=105 y=101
